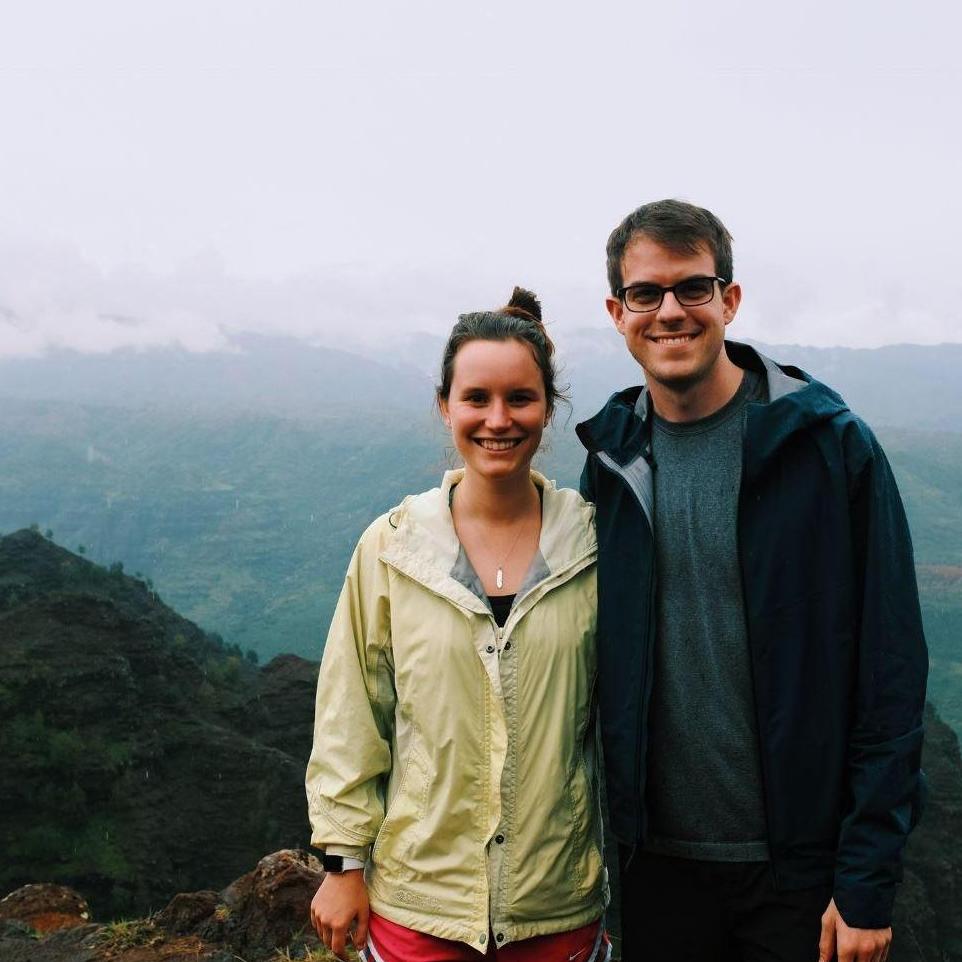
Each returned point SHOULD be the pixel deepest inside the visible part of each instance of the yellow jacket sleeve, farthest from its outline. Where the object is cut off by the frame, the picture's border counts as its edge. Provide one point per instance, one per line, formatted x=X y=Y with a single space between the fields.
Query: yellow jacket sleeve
x=354 y=709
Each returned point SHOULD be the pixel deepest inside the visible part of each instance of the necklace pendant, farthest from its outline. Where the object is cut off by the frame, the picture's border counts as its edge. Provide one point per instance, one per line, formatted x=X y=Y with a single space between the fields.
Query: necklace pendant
x=499 y=579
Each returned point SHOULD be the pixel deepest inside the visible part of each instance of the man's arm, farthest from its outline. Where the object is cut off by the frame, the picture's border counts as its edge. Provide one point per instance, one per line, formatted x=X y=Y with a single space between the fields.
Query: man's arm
x=847 y=944
x=885 y=783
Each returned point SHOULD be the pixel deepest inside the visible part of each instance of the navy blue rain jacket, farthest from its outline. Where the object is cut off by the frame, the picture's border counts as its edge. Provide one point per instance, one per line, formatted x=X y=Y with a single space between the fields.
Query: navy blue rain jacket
x=837 y=651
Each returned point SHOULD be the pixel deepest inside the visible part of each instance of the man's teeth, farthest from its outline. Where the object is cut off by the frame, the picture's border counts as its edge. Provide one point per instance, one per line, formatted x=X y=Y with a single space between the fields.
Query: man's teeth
x=680 y=339
x=490 y=444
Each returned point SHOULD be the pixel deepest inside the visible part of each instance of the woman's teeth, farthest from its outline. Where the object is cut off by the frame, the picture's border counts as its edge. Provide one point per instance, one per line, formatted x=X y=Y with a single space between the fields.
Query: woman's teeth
x=489 y=444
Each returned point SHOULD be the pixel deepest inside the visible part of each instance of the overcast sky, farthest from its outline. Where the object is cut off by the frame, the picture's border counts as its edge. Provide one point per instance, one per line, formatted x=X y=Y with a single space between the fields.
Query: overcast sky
x=177 y=171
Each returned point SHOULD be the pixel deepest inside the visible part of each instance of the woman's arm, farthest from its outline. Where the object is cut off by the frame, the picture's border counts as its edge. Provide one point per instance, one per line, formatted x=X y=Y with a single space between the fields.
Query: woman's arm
x=338 y=905
x=353 y=725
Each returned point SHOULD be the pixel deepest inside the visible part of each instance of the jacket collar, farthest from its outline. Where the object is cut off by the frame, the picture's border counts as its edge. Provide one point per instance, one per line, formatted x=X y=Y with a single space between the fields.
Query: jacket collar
x=622 y=428
x=425 y=546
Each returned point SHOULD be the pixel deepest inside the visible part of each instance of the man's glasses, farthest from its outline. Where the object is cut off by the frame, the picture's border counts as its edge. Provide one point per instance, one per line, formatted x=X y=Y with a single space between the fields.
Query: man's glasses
x=690 y=292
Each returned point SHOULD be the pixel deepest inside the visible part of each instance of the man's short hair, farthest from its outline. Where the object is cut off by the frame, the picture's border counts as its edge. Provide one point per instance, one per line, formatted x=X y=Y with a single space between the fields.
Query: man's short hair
x=676 y=225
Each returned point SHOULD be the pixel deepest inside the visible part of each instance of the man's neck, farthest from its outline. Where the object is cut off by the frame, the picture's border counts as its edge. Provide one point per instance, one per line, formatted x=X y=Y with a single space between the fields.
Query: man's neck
x=692 y=402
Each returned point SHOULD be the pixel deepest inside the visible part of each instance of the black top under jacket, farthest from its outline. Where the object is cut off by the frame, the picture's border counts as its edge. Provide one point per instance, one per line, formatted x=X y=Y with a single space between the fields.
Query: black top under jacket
x=838 y=656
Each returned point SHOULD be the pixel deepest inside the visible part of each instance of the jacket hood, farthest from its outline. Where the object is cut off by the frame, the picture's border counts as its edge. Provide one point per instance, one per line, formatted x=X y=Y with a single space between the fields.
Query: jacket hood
x=622 y=428
x=425 y=545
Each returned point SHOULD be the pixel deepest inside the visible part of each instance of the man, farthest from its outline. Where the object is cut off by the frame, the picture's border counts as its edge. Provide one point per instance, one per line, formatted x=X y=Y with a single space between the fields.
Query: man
x=761 y=659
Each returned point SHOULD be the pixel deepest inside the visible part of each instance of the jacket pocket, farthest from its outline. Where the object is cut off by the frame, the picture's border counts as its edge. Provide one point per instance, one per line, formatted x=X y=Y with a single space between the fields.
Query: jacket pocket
x=586 y=860
x=405 y=814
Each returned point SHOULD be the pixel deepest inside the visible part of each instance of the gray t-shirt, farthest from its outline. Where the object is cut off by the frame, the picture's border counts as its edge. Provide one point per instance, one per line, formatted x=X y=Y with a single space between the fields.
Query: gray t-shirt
x=704 y=791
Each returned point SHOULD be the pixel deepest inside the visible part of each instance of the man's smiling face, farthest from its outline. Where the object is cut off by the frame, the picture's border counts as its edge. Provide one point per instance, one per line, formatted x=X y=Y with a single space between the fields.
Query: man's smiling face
x=679 y=347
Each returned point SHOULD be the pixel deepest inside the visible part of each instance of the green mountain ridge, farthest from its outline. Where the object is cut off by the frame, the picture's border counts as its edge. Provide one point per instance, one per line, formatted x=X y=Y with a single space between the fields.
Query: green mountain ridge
x=242 y=504
x=139 y=756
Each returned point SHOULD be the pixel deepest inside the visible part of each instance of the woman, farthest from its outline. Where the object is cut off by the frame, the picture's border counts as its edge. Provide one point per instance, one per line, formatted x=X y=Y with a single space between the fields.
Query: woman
x=453 y=784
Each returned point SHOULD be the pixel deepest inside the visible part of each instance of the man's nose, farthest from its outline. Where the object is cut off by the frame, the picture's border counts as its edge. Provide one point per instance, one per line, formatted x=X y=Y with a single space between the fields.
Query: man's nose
x=670 y=309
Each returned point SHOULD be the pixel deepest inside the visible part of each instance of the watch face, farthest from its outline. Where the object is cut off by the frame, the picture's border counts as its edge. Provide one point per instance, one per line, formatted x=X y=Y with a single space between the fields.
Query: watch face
x=333 y=863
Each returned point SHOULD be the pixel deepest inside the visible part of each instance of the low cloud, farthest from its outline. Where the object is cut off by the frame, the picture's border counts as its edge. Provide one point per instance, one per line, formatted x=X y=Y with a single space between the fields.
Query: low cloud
x=53 y=298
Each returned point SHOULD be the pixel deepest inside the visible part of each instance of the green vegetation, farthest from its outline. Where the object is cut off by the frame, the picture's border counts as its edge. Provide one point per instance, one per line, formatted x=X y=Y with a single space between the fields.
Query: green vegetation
x=129 y=934
x=245 y=523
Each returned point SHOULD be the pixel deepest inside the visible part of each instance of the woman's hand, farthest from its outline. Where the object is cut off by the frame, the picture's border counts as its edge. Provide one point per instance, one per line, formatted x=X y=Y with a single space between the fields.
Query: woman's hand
x=340 y=902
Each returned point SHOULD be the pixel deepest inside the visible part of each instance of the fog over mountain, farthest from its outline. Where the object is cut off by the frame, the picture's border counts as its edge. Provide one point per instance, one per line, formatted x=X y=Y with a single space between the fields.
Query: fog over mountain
x=911 y=386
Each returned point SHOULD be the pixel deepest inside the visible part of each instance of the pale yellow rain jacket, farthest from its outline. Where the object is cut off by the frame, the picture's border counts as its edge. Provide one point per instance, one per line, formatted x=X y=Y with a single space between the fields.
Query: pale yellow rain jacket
x=460 y=758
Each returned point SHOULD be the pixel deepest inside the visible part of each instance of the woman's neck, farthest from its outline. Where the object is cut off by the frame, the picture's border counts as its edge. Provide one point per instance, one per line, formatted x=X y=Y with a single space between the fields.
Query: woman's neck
x=496 y=502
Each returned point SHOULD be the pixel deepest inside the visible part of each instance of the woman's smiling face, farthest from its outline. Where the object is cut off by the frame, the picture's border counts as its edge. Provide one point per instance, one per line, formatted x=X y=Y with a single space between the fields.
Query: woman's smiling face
x=496 y=407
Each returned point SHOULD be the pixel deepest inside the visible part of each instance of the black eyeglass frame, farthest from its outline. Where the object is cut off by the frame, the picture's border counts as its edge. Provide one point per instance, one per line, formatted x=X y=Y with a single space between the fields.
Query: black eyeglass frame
x=620 y=293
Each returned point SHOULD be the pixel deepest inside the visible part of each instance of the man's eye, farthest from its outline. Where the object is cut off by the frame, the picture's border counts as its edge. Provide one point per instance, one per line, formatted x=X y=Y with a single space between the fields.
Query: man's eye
x=695 y=287
x=644 y=294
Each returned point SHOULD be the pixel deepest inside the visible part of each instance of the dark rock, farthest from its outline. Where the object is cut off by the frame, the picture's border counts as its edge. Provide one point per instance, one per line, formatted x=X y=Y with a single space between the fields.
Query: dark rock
x=187 y=912
x=45 y=907
x=15 y=929
x=268 y=908
x=65 y=945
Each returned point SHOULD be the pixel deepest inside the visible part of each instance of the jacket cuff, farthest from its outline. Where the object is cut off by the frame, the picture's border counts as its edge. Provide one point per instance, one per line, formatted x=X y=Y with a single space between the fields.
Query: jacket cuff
x=360 y=852
x=865 y=906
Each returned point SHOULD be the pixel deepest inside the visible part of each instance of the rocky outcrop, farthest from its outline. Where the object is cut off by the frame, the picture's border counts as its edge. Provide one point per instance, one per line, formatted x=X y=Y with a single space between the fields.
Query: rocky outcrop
x=262 y=915
x=45 y=907
x=136 y=759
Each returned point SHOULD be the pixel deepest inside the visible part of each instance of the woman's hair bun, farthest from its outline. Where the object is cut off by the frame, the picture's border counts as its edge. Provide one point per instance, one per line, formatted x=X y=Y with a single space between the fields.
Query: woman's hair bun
x=526 y=301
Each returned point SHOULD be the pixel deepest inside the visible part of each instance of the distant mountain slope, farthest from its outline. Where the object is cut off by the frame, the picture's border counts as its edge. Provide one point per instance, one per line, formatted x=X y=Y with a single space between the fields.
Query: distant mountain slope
x=902 y=386
x=278 y=375
x=909 y=386
x=245 y=523
x=240 y=483
x=137 y=757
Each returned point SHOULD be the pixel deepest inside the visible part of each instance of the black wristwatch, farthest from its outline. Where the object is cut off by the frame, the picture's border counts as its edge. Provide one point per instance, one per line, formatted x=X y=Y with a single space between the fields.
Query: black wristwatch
x=332 y=863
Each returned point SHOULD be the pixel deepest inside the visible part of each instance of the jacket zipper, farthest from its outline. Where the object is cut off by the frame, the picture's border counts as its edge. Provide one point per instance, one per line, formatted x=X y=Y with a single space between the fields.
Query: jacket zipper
x=558 y=579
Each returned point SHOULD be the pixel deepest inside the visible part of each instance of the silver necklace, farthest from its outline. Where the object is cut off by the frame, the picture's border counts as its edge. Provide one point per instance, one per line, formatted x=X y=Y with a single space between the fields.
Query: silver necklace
x=499 y=577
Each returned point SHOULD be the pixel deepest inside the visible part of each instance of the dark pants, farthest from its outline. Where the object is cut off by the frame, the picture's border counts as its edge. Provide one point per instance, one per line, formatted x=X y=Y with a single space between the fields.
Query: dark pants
x=687 y=911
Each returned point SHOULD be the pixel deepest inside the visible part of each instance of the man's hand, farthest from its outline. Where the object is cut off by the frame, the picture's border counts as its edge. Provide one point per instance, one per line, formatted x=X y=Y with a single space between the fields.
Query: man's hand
x=340 y=902
x=851 y=945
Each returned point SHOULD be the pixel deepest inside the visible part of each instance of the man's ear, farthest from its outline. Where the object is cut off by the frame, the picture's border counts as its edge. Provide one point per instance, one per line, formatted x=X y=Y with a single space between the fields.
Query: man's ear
x=731 y=298
x=617 y=311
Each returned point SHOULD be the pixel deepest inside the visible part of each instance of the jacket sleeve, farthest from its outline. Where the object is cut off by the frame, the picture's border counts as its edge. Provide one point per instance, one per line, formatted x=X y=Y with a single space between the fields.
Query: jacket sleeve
x=885 y=782
x=354 y=709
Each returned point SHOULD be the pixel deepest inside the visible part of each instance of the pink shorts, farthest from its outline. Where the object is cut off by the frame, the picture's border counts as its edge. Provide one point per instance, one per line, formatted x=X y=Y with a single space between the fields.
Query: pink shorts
x=390 y=942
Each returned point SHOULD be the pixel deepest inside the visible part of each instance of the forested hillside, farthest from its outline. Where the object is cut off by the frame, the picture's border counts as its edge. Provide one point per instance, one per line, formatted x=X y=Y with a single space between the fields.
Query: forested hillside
x=139 y=756
x=242 y=503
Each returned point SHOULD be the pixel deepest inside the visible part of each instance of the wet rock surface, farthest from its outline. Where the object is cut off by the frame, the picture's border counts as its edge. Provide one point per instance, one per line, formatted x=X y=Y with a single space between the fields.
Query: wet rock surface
x=45 y=907
x=263 y=915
